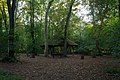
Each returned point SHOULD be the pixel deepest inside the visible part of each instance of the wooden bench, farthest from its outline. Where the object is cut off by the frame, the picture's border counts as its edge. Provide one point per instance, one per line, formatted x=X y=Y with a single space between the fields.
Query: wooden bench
x=55 y=54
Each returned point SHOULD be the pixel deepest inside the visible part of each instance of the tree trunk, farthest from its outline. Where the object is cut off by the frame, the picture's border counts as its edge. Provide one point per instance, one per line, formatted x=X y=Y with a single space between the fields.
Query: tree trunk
x=119 y=8
x=0 y=32
x=32 y=28
x=66 y=27
x=46 y=28
x=11 y=10
x=0 y=23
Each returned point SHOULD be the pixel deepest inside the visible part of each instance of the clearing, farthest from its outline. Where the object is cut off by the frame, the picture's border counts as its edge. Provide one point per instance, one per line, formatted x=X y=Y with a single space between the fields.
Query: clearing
x=71 y=68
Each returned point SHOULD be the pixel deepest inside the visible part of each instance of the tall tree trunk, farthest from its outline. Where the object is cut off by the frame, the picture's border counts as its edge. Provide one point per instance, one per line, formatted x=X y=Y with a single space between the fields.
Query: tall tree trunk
x=0 y=23
x=0 y=31
x=66 y=27
x=32 y=28
x=46 y=28
x=119 y=8
x=11 y=10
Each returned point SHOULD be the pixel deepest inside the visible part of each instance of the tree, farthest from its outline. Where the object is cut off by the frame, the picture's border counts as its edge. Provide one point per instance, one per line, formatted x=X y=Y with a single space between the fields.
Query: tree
x=119 y=8
x=46 y=28
x=0 y=30
x=66 y=27
x=11 y=11
x=32 y=27
x=0 y=22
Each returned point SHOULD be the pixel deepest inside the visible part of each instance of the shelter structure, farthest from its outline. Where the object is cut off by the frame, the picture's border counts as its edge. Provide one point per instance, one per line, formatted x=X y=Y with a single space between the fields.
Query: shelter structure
x=56 y=46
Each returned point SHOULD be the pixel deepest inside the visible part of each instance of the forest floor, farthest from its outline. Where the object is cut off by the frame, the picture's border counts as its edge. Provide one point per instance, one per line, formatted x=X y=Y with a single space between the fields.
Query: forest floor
x=71 y=68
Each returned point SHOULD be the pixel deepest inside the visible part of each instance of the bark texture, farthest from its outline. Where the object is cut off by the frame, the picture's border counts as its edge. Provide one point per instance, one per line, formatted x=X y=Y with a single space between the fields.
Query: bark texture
x=32 y=28
x=11 y=10
x=46 y=28
x=66 y=27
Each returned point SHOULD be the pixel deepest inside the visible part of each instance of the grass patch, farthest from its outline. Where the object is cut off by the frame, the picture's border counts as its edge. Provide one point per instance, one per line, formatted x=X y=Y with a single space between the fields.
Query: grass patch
x=113 y=71
x=5 y=75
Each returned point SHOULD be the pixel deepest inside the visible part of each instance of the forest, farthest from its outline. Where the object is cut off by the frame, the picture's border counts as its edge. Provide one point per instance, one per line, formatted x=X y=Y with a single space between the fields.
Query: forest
x=60 y=39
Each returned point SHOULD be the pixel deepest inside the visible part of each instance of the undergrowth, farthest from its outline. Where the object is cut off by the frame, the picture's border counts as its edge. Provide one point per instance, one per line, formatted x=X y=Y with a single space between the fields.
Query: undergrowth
x=6 y=75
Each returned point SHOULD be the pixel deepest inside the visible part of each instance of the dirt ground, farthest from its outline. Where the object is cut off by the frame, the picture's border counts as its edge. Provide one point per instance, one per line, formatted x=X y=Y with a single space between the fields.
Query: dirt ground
x=71 y=68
